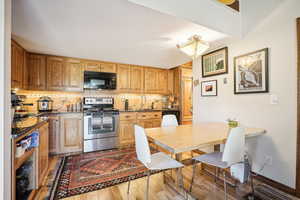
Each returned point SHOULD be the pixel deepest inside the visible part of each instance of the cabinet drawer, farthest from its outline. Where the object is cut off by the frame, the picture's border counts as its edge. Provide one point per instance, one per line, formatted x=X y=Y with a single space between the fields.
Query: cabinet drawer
x=155 y=115
x=144 y=115
x=127 y=116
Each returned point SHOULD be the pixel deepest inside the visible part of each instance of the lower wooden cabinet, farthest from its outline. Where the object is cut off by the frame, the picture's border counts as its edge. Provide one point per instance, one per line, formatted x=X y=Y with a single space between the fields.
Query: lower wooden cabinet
x=54 y=129
x=126 y=132
x=43 y=152
x=71 y=131
x=143 y=119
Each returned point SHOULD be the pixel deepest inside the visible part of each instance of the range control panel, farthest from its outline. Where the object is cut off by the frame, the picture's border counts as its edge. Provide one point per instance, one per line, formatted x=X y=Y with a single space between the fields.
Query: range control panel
x=98 y=100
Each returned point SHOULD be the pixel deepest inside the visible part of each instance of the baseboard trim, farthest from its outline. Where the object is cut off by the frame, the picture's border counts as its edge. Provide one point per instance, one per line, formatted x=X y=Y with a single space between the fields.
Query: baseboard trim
x=275 y=184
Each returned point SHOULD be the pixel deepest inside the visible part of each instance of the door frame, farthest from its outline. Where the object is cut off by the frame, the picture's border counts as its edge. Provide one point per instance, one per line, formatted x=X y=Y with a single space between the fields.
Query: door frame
x=298 y=112
x=5 y=119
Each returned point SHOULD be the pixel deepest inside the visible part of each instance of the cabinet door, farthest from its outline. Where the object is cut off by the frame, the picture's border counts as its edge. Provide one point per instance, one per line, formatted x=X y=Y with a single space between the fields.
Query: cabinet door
x=92 y=66
x=162 y=81
x=156 y=123
x=187 y=99
x=17 y=65
x=126 y=132
x=108 y=67
x=170 y=82
x=54 y=129
x=123 y=77
x=43 y=153
x=73 y=75
x=55 y=73
x=36 y=66
x=71 y=133
x=151 y=80
x=176 y=82
x=145 y=123
x=136 y=79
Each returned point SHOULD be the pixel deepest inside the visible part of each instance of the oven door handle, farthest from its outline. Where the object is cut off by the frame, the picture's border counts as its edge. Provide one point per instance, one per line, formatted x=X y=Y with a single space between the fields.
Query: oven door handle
x=86 y=124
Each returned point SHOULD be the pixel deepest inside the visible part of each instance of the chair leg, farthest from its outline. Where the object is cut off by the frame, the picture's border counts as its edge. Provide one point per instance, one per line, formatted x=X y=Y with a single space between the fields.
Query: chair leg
x=225 y=186
x=148 y=180
x=128 y=188
x=252 y=185
x=193 y=176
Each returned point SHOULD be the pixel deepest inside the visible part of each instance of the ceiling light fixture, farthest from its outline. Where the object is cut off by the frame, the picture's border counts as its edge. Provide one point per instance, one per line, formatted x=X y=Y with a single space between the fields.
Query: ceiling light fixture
x=193 y=47
x=227 y=2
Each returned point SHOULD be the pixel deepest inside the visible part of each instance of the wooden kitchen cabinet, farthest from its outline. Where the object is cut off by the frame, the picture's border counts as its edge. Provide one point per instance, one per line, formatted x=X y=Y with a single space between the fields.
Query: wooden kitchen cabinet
x=108 y=67
x=73 y=75
x=123 y=78
x=55 y=73
x=93 y=66
x=71 y=133
x=150 y=80
x=156 y=81
x=126 y=132
x=54 y=134
x=136 y=79
x=170 y=88
x=36 y=69
x=17 y=65
x=43 y=153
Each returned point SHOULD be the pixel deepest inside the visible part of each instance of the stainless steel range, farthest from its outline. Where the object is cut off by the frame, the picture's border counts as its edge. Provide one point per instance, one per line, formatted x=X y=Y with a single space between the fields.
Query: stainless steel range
x=101 y=123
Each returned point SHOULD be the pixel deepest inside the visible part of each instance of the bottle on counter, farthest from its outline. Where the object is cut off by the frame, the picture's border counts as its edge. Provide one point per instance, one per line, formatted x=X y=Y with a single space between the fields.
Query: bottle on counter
x=126 y=104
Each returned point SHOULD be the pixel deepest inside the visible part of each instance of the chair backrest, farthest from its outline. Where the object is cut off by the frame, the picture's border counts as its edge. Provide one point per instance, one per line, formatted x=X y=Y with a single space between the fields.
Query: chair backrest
x=234 y=149
x=169 y=120
x=142 y=145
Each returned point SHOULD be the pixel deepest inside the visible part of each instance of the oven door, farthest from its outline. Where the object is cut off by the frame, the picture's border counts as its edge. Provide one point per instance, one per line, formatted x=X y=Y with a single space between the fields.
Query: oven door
x=100 y=125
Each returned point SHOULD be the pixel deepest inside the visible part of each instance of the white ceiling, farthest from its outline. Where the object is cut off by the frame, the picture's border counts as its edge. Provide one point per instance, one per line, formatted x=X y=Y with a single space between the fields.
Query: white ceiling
x=109 y=30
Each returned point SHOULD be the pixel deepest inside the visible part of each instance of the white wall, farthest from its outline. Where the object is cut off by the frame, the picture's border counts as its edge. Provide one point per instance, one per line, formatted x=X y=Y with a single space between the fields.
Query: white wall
x=278 y=33
x=5 y=130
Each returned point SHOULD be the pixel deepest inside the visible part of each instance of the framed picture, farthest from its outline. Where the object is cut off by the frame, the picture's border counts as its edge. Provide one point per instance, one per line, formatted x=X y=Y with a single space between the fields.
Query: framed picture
x=215 y=63
x=209 y=88
x=251 y=72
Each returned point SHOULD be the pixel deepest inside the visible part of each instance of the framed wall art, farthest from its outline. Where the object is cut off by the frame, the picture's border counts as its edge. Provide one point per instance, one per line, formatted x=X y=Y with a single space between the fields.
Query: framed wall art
x=215 y=62
x=209 y=88
x=251 y=72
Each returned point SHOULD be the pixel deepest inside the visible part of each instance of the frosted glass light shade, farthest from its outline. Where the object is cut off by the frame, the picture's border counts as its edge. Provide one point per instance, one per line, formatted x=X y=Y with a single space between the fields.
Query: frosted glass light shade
x=194 y=47
x=227 y=2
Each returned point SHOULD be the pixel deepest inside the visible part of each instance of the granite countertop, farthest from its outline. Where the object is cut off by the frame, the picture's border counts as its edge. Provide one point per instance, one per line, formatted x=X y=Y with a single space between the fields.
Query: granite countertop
x=24 y=126
x=149 y=110
x=57 y=113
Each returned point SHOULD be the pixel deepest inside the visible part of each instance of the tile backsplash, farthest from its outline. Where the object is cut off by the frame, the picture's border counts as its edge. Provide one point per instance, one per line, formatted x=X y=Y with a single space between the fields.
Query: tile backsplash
x=62 y=99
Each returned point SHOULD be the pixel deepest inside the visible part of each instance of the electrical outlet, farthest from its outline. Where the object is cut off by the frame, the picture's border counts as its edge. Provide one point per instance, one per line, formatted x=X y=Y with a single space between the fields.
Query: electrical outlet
x=268 y=160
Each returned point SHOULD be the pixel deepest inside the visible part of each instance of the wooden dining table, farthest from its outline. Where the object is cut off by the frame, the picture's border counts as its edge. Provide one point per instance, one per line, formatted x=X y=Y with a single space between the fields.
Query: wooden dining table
x=187 y=138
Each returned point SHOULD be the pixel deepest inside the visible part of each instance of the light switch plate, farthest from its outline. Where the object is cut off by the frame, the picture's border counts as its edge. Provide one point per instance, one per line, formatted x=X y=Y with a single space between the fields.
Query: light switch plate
x=274 y=99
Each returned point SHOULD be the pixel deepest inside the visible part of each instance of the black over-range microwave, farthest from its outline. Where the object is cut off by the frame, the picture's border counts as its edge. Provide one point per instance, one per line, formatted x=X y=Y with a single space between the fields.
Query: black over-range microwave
x=100 y=80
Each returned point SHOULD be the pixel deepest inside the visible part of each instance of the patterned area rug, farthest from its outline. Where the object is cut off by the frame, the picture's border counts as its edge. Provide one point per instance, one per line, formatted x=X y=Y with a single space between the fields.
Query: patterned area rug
x=97 y=170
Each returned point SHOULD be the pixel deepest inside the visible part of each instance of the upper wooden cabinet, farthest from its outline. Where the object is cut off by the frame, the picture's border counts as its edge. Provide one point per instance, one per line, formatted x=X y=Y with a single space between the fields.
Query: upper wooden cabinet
x=73 y=75
x=92 y=66
x=108 y=67
x=96 y=66
x=36 y=69
x=156 y=81
x=170 y=88
x=55 y=73
x=123 y=77
x=64 y=74
x=17 y=65
x=136 y=79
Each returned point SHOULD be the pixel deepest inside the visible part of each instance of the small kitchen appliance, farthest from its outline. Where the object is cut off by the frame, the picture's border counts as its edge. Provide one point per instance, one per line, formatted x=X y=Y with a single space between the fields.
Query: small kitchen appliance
x=101 y=123
x=45 y=104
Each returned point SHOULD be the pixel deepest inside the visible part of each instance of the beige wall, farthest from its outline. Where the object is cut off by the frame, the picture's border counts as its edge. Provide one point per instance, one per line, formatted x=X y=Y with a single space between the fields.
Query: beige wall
x=278 y=33
x=5 y=33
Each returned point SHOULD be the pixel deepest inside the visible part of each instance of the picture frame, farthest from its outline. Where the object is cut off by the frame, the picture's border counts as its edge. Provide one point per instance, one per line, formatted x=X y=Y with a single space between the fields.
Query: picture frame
x=209 y=88
x=215 y=62
x=251 y=73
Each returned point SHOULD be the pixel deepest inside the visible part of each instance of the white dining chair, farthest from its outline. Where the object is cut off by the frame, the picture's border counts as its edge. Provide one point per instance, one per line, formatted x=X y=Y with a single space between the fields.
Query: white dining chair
x=156 y=161
x=169 y=120
x=233 y=153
